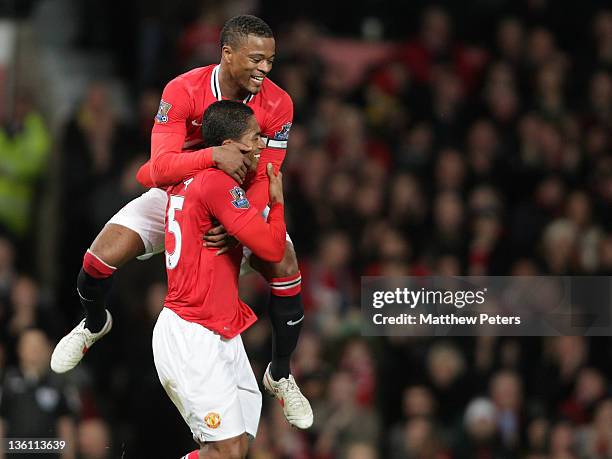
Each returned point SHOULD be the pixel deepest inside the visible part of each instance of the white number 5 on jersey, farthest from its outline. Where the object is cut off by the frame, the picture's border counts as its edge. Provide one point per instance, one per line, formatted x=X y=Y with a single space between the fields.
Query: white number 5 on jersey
x=176 y=203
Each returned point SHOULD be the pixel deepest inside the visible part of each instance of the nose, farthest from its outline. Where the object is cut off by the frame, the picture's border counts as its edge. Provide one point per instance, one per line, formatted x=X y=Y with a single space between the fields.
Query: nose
x=264 y=66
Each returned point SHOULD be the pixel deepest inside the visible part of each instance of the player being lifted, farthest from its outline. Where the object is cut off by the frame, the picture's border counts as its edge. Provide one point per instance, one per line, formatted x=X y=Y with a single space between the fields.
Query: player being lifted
x=137 y=230
x=197 y=348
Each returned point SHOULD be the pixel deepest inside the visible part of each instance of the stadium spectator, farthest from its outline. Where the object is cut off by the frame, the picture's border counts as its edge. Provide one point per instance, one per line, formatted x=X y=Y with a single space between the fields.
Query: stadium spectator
x=25 y=145
x=35 y=402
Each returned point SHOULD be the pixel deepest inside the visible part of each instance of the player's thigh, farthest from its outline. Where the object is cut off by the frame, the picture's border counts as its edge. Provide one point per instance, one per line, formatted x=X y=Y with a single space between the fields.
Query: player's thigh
x=117 y=244
x=145 y=216
x=197 y=369
x=288 y=266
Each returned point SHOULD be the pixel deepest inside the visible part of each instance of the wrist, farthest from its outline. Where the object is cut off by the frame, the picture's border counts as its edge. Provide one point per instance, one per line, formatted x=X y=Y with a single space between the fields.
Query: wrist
x=208 y=158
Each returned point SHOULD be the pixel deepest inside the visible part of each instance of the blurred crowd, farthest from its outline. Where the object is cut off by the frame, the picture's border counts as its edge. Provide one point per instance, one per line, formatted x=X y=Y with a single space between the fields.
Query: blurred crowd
x=455 y=153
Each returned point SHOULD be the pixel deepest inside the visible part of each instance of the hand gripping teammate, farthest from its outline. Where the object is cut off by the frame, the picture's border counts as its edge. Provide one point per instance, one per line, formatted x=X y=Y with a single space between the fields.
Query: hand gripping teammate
x=137 y=230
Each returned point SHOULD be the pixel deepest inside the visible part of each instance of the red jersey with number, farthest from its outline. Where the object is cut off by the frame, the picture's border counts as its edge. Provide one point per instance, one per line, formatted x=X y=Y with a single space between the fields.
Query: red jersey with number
x=203 y=287
x=185 y=99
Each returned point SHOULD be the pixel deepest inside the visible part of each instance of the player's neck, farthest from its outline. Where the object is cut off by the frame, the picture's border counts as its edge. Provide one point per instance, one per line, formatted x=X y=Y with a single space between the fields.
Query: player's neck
x=229 y=88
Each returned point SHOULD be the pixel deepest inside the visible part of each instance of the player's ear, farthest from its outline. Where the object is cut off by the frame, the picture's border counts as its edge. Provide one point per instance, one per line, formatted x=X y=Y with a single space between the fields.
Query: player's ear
x=226 y=53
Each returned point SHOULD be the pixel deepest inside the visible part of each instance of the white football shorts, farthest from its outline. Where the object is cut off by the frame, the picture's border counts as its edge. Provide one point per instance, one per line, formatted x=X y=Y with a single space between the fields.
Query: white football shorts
x=146 y=215
x=208 y=378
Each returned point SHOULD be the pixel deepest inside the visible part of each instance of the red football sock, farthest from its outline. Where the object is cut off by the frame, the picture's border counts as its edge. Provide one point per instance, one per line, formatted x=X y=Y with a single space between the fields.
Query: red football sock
x=95 y=267
x=93 y=285
x=287 y=286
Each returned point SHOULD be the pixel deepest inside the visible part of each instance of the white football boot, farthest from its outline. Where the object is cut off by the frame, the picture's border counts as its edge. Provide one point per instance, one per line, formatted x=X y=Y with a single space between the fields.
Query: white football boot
x=295 y=406
x=72 y=347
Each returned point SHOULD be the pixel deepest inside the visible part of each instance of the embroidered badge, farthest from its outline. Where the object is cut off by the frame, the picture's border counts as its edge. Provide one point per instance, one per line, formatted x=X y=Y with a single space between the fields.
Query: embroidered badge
x=283 y=134
x=162 y=113
x=240 y=200
x=212 y=420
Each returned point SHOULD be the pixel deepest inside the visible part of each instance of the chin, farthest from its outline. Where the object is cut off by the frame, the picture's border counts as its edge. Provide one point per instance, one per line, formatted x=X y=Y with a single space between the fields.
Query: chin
x=254 y=89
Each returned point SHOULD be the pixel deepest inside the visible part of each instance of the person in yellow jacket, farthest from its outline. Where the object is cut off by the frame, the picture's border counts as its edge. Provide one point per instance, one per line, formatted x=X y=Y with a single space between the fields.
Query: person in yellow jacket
x=25 y=144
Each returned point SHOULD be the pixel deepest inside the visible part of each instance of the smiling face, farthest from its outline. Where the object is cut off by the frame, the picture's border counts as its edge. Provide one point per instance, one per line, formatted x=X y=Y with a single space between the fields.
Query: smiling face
x=249 y=61
x=251 y=137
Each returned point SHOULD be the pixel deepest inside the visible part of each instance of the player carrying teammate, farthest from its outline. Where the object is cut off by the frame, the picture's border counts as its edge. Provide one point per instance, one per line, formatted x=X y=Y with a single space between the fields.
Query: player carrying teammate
x=247 y=55
x=198 y=352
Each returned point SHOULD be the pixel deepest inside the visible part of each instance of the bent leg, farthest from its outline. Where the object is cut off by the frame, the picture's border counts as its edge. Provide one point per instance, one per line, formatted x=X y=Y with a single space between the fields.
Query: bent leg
x=136 y=230
x=285 y=308
x=112 y=248
x=286 y=316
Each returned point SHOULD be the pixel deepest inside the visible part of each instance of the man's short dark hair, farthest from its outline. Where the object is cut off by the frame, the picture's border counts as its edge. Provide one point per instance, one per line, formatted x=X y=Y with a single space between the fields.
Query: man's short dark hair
x=225 y=120
x=238 y=28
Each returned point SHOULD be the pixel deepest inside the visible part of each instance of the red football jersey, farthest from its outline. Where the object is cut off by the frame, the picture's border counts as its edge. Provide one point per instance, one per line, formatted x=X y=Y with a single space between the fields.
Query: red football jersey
x=185 y=99
x=203 y=287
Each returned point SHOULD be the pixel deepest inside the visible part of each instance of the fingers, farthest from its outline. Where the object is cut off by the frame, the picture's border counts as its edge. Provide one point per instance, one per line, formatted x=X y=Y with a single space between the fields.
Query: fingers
x=231 y=243
x=239 y=175
x=221 y=243
x=214 y=239
x=223 y=250
x=246 y=162
x=272 y=175
x=242 y=147
x=219 y=229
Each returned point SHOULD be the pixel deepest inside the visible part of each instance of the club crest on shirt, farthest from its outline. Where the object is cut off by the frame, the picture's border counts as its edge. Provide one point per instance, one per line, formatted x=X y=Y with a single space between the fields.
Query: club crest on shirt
x=162 y=113
x=212 y=420
x=240 y=200
x=283 y=134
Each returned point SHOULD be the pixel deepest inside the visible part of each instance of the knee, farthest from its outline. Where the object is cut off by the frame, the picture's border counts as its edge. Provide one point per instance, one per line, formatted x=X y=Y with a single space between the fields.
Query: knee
x=234 y=448
x=116 y=245
x=288 y=265
x=238 y=453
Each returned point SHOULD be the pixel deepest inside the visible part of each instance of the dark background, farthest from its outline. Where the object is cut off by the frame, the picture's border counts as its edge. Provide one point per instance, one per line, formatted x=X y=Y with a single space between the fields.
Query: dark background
x=455 y=138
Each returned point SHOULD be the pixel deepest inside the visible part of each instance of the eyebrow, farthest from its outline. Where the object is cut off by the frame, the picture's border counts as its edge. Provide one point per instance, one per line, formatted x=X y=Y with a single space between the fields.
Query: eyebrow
x=262 y=55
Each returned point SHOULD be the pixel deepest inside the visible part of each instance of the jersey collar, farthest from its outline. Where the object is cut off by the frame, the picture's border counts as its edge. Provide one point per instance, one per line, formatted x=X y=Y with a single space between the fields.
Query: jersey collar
x=216 y=87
